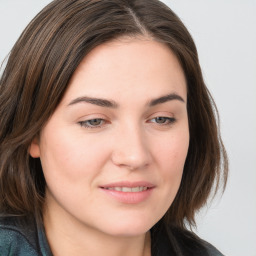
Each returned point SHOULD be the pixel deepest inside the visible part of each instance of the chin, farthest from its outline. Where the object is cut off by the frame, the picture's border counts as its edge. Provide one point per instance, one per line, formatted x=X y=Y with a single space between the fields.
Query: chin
x=129 y=229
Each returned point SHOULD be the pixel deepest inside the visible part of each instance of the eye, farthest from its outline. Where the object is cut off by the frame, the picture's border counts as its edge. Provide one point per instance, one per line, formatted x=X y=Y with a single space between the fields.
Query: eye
x=162 y=120
x=93 y=123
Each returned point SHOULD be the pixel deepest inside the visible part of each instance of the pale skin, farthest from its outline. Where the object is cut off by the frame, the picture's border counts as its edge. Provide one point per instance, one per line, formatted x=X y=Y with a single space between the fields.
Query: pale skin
x=123 y=119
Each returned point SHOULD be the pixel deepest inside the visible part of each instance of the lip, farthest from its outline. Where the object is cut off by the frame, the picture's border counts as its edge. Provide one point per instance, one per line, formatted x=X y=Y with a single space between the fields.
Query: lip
x=128 y=184
x=128 y=197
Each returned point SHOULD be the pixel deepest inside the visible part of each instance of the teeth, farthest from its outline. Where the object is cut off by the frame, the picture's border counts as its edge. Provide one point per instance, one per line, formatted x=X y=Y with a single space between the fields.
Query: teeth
x=126 y=189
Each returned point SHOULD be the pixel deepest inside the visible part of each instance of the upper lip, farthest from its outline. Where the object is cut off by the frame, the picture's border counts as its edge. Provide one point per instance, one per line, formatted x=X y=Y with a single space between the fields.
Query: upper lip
x=128 y=184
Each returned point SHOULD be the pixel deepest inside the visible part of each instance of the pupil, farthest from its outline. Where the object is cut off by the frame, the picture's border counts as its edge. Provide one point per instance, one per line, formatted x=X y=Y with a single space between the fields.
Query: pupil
x=95 y=122
x=160 y=120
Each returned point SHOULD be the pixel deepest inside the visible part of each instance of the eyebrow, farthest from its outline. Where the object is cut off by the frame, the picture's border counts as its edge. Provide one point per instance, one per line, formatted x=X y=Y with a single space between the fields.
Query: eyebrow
x=113 y=104
x=165 y=98
x=95 y=101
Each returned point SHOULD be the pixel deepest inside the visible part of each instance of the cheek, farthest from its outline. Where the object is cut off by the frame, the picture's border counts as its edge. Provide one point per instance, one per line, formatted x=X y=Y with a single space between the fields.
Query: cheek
x=171 y=158
x=173 y=150
x=70 y=167
x=71 y=157
x=170 y=155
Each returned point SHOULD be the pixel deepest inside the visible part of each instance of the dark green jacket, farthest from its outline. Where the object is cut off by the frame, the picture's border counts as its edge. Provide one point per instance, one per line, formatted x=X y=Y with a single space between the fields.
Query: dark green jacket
x=20 y=236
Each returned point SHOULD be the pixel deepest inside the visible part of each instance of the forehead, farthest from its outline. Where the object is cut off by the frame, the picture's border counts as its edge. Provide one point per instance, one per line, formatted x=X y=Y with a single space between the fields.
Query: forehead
x=128 y=67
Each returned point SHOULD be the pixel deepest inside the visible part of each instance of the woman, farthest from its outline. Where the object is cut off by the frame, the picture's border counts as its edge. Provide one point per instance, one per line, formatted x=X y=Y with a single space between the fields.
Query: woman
x=108 y=142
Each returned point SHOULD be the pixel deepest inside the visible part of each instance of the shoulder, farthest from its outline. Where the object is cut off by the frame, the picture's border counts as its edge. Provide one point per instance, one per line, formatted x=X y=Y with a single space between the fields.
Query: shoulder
x=17 y=237
x=171 y=240
x=212 y=251
x=191 y=240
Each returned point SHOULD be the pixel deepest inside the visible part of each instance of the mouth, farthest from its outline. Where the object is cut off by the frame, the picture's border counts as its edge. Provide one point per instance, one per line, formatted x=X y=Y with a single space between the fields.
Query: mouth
x=128 y=189
x=128 y=192
x=127 y=186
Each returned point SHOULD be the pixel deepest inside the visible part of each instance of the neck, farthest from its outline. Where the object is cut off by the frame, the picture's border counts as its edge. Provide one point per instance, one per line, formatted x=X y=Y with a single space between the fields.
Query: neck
x=67 y=237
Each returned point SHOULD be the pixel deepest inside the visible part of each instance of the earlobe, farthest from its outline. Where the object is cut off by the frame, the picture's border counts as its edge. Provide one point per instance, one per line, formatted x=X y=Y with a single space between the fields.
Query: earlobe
x=34 y=149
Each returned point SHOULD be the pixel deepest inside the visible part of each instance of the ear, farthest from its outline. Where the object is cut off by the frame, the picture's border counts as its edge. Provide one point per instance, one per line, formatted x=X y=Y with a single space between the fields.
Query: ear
x=34 y=149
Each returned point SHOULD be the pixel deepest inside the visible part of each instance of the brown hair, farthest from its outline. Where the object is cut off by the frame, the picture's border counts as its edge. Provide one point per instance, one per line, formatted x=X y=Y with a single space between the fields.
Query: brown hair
x=38 y=71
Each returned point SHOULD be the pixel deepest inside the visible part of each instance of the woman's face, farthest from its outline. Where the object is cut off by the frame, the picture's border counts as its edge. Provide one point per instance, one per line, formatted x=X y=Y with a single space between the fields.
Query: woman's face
x=113 y=152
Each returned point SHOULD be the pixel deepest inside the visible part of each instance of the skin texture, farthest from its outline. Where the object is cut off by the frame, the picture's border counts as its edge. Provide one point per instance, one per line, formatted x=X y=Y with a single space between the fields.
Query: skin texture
x=125 y=142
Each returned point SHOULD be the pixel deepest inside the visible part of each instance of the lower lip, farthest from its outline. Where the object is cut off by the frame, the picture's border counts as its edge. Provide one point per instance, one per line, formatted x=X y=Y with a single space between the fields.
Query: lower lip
x=129 y=197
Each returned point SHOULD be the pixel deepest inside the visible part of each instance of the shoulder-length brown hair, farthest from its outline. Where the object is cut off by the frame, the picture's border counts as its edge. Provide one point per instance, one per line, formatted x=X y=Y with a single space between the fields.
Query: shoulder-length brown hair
x=39 y=69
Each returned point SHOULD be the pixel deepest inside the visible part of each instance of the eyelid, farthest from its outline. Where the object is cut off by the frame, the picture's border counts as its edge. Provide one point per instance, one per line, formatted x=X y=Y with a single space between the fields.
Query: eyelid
x=91 y=116
x=167 y=120
x=84 y=121
x=168 y=116
x=161 y=114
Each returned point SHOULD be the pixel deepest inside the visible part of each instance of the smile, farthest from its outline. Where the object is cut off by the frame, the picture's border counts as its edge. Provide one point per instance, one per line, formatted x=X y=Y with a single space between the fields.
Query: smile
x=128 y=189
x=128 y=192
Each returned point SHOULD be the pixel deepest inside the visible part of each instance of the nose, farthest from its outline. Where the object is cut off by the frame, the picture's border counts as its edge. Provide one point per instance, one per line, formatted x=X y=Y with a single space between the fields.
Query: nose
x=131 y=149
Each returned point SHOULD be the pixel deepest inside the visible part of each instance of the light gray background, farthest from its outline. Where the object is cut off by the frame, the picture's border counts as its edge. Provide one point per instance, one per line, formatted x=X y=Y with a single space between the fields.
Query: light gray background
x=225 y=34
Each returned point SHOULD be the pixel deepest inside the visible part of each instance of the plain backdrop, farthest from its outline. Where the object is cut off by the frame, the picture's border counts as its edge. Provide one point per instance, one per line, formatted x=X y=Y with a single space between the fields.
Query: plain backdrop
x=225 y=35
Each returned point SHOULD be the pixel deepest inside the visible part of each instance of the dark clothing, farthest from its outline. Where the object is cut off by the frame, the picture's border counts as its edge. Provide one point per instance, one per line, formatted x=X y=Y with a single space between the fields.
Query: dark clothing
x=174 y=241
x=20 y=236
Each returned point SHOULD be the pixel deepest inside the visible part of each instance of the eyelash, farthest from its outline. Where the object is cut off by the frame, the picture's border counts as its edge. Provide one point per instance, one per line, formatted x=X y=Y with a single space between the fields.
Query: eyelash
x=167 y=120
x=86 y=124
